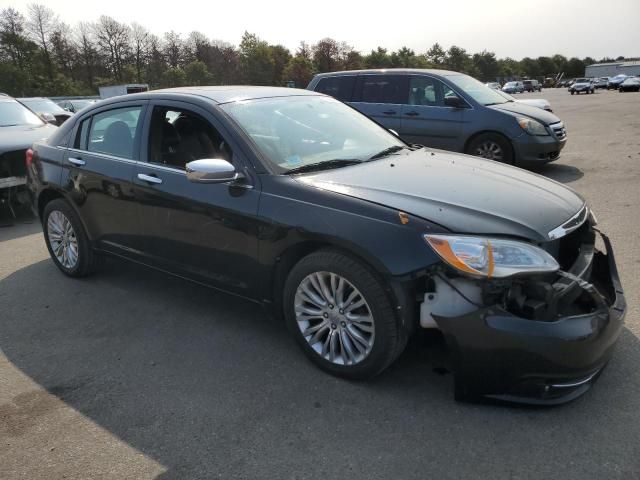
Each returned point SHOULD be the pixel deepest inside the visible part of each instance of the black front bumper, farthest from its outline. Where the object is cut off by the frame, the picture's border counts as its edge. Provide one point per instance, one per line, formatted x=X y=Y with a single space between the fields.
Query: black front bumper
x=501 y=356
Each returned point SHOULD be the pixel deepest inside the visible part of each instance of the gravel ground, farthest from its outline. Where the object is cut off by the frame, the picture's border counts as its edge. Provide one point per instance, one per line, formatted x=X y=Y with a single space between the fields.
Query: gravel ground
x=131 y=374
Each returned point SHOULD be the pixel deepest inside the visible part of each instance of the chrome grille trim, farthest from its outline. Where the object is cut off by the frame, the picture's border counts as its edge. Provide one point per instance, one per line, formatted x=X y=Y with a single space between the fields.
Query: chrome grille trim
x=559 y=131
x=570 y=225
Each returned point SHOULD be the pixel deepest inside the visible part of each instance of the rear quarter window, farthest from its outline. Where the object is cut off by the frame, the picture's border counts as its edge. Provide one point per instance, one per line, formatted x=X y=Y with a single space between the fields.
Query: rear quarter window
x=338 y=87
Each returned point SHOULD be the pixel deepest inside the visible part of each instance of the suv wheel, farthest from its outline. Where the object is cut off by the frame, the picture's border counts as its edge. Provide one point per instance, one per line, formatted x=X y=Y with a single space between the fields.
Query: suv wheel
x=67 y=240
x=491 y=146
x=340 y=314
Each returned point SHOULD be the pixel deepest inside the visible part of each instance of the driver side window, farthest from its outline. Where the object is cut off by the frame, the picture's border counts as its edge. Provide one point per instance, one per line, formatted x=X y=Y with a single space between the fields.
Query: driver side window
x=178 y=136
x=428 y=91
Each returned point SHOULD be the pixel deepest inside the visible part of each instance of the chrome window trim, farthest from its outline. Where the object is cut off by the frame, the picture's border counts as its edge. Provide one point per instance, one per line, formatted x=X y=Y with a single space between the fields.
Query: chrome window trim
x=560 y=231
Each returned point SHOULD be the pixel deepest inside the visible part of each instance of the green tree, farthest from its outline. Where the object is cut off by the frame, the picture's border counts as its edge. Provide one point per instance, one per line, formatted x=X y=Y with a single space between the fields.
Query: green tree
x=436 y=54
x=486 y=65
x=281 y=57
x=257 y=63
x=196 y=73
x=174 y=77
x=299 y=70
x=378 y=58
x=457 y=59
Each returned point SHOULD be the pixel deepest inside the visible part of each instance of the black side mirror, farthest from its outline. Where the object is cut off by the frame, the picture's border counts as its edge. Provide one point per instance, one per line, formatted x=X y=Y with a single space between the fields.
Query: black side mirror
x=454 y=101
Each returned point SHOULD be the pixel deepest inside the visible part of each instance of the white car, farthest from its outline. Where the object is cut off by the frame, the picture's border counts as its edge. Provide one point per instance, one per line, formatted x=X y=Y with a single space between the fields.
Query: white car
x=534 y=102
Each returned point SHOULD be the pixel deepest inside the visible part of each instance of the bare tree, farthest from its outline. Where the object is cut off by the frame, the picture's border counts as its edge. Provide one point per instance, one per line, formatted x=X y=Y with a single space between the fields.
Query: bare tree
x=41 y=23
x=13 y=43
x=140 y=46
x=113 y=39
x=64 y=50
x=87 y=51
x=173 y=48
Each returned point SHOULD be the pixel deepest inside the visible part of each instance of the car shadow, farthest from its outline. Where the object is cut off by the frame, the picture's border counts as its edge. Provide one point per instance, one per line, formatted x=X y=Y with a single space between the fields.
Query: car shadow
x=560 y=172
x=25 y=223
x=208 y=385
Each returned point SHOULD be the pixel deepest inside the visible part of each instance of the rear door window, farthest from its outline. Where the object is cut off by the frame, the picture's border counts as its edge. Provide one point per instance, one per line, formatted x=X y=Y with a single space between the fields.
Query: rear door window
x=383 y=89
x=113 y=132
x=340 y=87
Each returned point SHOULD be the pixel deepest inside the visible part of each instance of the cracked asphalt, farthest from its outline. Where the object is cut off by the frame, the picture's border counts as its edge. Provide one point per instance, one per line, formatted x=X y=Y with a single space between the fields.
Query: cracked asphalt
x=133 y=374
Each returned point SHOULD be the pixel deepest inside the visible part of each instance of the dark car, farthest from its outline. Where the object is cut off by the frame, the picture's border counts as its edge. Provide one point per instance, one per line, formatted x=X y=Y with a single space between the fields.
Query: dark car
x=74 y=105
x=531 y=85
x=296 y=201
x=47 y=109
x=19 y=128
x=451 y=111
x=631 y=84
x=615 y=82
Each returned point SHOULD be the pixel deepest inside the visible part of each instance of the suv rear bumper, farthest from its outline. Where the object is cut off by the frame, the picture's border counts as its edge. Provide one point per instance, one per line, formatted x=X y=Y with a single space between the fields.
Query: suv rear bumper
x=501 y=356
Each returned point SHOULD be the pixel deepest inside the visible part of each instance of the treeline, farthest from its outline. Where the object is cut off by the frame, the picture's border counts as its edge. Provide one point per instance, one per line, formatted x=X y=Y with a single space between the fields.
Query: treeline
x=42 y=55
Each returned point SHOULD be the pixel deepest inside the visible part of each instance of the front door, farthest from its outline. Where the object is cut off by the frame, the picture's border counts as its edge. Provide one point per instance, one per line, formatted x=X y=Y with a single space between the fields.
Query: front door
x=427 y=120
x=206 y=232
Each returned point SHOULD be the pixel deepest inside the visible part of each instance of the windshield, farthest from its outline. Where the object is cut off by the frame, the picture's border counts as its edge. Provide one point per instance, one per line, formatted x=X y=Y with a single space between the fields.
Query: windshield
x=582 y=80
x=12 y=113
x=477 y=90
x=296 y=131
x=42 y=105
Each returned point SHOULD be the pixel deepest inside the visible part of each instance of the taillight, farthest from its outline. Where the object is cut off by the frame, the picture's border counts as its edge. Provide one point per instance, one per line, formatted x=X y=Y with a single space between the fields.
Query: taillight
x=28 y=158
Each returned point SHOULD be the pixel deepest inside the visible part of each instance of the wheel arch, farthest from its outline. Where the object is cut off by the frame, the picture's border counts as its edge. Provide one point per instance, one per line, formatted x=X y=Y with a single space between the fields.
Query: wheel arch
x=48 y=194
x=493 y=132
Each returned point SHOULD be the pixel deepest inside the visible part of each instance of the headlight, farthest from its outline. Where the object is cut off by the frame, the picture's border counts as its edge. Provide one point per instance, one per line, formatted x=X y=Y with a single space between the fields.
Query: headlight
x=532 y=127
x=491 y=257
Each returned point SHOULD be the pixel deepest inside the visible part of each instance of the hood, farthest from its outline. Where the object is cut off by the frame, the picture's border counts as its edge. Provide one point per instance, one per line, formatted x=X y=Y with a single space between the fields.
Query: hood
x=464 y=194
x=518 y=108
x=536 y=102
x=22 y=137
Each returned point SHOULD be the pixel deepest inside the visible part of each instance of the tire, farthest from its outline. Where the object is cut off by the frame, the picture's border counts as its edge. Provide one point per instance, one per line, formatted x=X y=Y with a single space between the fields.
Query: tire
x=483 y=143
x=572 y=92
x=383 y=337
x=54 y=215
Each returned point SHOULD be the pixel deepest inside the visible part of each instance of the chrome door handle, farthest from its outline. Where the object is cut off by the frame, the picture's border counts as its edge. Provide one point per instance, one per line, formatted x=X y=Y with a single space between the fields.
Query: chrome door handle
x=149 y=178
x=77 y=161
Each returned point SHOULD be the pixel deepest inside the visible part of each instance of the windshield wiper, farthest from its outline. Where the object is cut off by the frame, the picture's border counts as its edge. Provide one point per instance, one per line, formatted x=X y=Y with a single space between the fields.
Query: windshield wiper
x=326 y=165
x=387 y=151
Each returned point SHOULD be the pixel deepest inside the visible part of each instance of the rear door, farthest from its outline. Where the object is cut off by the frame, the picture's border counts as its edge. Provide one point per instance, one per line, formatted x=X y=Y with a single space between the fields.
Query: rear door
x=427 y=120
x=204 y=231
x=381 y=97
x=98 y=170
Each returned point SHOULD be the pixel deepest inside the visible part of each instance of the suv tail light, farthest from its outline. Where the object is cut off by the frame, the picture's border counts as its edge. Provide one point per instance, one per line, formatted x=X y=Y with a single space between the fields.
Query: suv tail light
x=28 y=158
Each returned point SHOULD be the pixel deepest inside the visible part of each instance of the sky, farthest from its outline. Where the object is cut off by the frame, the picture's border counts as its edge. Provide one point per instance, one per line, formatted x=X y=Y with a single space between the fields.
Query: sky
x=514 y=28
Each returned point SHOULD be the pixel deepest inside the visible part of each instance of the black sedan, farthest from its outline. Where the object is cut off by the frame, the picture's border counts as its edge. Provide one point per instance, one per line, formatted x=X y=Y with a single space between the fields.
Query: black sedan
x=631 y=84
x=294 y=200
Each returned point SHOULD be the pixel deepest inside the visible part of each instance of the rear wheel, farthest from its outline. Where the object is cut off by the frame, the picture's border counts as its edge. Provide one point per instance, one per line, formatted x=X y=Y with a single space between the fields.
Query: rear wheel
x=67 y=240
x=491 y=146
x=340 y=314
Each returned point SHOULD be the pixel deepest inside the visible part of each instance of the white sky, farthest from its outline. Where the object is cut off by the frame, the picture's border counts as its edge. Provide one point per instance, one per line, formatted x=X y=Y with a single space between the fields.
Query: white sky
x=515 y=28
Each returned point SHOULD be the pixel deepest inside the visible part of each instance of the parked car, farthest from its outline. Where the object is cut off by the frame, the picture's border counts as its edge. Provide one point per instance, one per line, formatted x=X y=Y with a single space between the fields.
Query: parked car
x=631 y=84
x=531 y=85
x=354 y=236
x=582 y=85
x=601 y=82
x=513 y=87
x=75 y=104
x=47 y=109
x=534 y=102
x=494 y=85
x=615 y=82
x=450 y=111
x=19 y=128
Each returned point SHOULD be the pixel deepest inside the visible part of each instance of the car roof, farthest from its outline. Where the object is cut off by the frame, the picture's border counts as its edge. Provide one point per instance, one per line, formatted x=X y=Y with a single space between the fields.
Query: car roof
x=383 y=71
x=219 y=94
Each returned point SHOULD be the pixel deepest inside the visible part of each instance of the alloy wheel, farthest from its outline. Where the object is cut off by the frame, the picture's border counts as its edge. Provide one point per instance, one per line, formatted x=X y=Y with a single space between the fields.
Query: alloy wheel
x=62 y=239
x=490 y=150
x=334 y=318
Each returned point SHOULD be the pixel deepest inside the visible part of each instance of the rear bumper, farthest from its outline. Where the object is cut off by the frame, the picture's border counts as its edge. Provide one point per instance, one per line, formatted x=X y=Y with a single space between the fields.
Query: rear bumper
x=531 y=150
x=501 y=356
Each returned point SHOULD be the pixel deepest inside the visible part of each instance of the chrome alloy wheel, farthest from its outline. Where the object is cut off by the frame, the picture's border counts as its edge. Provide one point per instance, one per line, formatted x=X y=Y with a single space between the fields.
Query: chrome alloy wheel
x=490 y=150
x=334 y=318
x=62 y=239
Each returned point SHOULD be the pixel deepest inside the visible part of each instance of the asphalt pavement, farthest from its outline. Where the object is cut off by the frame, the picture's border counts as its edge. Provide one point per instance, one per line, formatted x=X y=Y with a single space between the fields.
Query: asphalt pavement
x=134 y=374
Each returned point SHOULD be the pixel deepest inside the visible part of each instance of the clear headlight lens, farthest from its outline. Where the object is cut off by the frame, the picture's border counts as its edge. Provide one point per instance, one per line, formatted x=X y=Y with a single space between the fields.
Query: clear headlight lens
x=532 y=127
x=491 y=257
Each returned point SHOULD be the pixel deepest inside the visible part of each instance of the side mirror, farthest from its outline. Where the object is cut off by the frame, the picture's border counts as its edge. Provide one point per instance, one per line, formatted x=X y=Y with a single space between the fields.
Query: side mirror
x=454 y=101
x=211 y=170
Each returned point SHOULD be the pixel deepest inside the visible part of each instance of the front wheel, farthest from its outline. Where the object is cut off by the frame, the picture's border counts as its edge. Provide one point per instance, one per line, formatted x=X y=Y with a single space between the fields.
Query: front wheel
x=341 y=315
x=491 y=146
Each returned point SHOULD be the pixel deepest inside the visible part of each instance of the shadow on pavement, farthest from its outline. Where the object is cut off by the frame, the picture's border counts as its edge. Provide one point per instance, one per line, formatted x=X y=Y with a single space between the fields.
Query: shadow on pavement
x=560 y=173
x=24 y=224
x=207 y=385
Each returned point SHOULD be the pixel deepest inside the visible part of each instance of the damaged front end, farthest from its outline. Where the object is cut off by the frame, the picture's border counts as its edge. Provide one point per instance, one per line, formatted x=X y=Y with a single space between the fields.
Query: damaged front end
x=537 y=338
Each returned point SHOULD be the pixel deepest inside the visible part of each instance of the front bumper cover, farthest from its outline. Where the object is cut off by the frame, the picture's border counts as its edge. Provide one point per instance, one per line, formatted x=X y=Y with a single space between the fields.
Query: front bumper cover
x=501 y=356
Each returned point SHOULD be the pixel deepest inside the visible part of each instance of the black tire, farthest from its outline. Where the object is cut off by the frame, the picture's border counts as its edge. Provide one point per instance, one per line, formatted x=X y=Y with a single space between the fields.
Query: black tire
x=481 y=141
x=572 y=92
x=389 y=339
x=87 y=260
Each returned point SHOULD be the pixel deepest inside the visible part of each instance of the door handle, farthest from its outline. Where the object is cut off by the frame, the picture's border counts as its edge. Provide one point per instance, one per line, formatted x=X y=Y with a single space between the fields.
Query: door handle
x=149 y=178
x=412 y=113
x=76 y=161
x=389 y=112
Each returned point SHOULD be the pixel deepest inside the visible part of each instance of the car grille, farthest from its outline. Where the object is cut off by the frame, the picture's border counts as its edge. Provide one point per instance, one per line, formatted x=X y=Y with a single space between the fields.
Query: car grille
x=559 y=131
